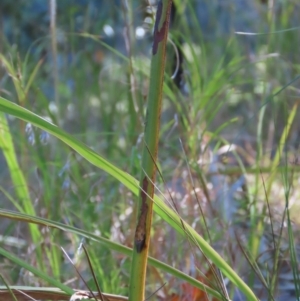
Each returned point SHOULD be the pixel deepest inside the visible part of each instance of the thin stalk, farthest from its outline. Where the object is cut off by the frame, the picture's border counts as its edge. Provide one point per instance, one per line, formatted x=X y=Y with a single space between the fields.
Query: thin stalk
x=134 y=109
x=257 y=226
x=19 y=181
x=151 y=135
x=52 y=8
x=275 y=163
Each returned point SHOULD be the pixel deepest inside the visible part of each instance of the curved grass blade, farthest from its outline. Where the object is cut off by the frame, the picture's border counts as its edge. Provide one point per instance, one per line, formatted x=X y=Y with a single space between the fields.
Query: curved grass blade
x=109 y=244
x=17 y=176
x=35 y=271
x=159 y=206
x=8 y=289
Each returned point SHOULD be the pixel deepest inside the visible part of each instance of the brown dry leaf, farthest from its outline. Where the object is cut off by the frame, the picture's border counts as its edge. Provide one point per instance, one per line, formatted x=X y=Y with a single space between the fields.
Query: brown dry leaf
x=25 y=294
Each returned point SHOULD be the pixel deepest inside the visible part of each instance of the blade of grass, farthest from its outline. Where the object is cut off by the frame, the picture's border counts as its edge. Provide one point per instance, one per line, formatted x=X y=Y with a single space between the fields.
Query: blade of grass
x=292 y=248
x=160 y=207
x=81 y=277
x=16 y=78
x=274 y=274
x=93 y=273
x=281 y=146
x=275 y=163
x=109 y=244
x=35 y=271
x=18 y=179
x=12 y=295
x=294 y=261
x=33 y=75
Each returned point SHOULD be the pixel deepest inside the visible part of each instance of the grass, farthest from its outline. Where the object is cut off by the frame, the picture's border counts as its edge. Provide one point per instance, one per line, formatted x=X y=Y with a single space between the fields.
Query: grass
x=57 y=191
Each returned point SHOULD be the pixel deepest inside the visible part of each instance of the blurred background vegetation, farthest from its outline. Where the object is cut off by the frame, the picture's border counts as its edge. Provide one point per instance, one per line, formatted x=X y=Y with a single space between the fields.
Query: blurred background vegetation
x=84 y=65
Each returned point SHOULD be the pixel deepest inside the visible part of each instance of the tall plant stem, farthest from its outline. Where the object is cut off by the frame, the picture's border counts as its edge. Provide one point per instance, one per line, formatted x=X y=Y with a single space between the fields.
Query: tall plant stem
x=52 y=8
x=151 y=135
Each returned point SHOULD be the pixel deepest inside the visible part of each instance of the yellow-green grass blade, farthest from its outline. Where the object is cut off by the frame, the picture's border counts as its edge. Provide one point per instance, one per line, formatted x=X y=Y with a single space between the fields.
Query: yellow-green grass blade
x=106 y=242
x=34 y=270
x=13 y=297
x=271 y=178
x=17 y=176
x=132 y=184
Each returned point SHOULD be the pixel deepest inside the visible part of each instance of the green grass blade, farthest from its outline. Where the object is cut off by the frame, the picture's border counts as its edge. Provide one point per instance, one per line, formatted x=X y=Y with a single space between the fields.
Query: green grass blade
x=275 y=163
x=8 y=288
x=17 y=111
x=16 y=80
x=293 y=250
x=109 y=244
x=32 y=76
x=159 y=207
x=6 y=144
x=35 y=271
x=17 y=176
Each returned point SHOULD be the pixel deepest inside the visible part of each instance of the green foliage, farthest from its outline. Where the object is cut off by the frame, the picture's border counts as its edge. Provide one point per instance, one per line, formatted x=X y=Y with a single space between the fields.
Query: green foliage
x=235 y=92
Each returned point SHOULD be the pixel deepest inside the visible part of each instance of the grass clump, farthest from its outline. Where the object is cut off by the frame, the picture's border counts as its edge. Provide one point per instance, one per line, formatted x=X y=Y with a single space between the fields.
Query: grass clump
x=225 y=217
